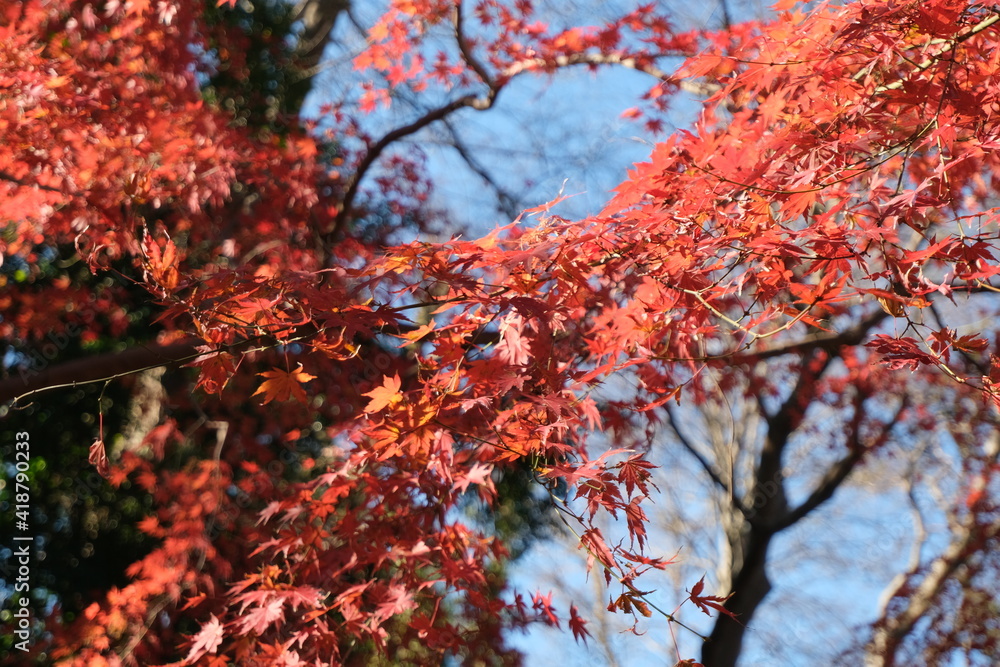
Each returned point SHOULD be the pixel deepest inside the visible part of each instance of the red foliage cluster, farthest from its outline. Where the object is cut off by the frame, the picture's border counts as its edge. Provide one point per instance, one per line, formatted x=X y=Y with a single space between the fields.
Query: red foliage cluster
x=845 y=158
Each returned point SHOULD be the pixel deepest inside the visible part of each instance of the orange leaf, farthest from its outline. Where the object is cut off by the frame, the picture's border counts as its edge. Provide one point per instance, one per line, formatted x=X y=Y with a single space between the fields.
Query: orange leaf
x=313 y=615
x=387 y=394
x=281 y=385
x=413 y=336
x=161 y=263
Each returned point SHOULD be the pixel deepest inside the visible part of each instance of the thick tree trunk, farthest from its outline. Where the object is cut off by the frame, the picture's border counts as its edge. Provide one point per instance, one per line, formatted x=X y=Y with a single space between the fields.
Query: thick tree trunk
x=752 y=522
x=749 y=586
x=318 y=20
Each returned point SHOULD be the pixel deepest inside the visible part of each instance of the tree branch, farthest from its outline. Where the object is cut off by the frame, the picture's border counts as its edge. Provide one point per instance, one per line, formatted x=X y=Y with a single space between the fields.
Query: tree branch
x=471 y=101
x=890 y=632
x=834 y=477
x=114 y=365
x=7 y=176
x=467 y=55
x=949 y=45
x=506 y=202
x=484 y=102
x=558 y=62
x=110 y=365
x=318 y=20
x=727 y=20
x=839 y=471
x=828 y=342
x=705 y=464
x=689 y=446
x=780 y=427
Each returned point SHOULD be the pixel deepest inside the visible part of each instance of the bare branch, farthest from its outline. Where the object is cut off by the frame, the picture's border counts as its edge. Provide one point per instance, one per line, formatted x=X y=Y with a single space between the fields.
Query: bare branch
x=629 y=62
x=834 y=477
x=467 y=55
x=713 y=473
x=507 y=203
x=468 y=101
x=919 y=529
x=727 y=19
x=7 y=176
x=483 y=102
x=839 y=471
x=890 y=632
x=780 y=427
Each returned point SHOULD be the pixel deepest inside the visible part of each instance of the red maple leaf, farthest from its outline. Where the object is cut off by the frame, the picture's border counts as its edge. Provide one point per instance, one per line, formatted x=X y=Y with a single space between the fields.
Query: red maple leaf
x=578 y=625
x=99 y=458
x=704 y=602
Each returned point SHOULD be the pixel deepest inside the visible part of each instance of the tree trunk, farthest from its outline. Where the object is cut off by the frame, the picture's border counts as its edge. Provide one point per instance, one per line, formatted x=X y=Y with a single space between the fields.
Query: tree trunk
x=749 y=586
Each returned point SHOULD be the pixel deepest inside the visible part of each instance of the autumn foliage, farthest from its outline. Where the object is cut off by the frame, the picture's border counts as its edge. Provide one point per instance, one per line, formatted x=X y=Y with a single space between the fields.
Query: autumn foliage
x=835 y=194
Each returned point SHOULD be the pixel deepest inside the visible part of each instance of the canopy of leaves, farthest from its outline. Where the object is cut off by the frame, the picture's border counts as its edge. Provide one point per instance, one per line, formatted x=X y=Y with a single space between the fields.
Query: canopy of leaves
x=843 y=169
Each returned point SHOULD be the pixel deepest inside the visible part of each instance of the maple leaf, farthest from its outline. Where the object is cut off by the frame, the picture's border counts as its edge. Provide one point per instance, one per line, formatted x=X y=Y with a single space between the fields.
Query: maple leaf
x=477 y=474
x=543 y=604
x=386 y=395
x=260 y=617
x=396 y=601
x=635 y=473
x=151 y=526
x=208 y=640
x=636 y=519
x=593 y=541
x=161 y=263
x=704 y=602
x=970 y=343
x=283 y=385
x=578 y=625
x=215 y=370
x=99 y=458
x=900 y=352
x=513 y=346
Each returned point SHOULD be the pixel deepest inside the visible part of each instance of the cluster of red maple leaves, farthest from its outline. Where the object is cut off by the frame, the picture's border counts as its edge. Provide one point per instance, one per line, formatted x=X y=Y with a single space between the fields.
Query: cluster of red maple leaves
x=845 y=158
